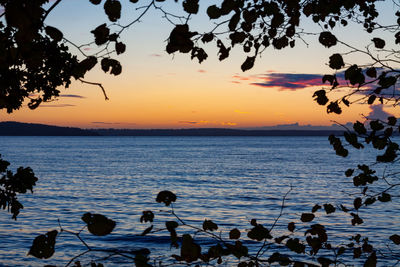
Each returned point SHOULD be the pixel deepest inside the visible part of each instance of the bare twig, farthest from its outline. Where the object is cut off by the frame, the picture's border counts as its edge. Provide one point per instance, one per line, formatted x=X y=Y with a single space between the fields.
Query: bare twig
x=98 y=84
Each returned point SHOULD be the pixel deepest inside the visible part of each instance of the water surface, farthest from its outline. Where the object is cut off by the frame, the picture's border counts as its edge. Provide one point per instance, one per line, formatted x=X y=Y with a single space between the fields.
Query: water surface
x=227 y=179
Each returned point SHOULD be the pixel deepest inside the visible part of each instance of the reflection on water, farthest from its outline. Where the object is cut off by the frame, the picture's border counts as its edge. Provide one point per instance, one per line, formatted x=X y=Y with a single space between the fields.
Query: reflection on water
x=227 y=179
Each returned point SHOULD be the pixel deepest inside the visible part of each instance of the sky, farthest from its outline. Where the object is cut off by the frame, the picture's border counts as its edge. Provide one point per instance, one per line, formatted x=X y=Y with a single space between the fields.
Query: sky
x=159 y=90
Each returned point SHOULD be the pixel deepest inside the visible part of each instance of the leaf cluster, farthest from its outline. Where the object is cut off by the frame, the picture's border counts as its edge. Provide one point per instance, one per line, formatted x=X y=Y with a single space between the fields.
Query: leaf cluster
x=12 y=184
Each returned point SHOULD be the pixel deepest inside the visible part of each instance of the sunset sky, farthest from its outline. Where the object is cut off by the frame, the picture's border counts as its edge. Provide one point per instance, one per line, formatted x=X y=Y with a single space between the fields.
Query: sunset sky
x=158 y=90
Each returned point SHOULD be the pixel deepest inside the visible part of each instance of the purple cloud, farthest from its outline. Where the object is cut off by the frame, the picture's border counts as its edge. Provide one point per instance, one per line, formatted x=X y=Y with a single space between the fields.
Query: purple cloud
x=289 y=81
x=72 y=96
x=377 y=112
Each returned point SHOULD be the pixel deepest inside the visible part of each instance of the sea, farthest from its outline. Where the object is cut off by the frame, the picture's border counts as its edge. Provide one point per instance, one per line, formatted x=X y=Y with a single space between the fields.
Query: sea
x=229 y=180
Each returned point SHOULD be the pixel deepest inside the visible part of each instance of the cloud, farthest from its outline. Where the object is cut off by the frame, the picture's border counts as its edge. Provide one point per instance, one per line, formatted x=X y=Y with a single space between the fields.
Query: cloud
x=239 y=77
x=72 y=96
x=155 y=55
x=56 y=105
x=377 y=112
x=103 y=122
x=289 y=81
x=209 y=123
x=188 y=122
x=202 y=71
x=194 y=122
x=241 y=112
x=228 y=123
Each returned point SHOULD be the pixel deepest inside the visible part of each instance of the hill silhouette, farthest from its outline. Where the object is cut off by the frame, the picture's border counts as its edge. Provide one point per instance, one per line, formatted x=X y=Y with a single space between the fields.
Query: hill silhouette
x=10 y=128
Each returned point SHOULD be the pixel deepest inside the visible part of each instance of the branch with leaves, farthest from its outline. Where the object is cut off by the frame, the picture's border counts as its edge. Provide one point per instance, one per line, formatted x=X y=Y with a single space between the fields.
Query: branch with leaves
x=300 y=246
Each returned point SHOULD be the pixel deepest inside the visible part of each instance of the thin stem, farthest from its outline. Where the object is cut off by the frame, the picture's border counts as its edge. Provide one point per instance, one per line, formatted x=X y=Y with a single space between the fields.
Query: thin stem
x=98 y=84
x=50 y=9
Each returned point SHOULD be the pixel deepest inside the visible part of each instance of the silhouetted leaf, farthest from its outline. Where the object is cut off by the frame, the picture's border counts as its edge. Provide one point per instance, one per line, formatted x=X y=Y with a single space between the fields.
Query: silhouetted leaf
x=120 y=47
x=384 y=197
x=327 y=39
x=213 y=12
x=113 y=9
x=112 y=65
x=237 y=38
x=209 y=225
x=320 y=97
x=95 y=2
x=371 y=72
x=356 y=219
x=191 y=6
x=336 y=62
x=283 y=260
x=166 y=197
x=234 y=234
x=54 y=33
x=369 y=201
x=395 y=239
x=341 y=250
x=190 y=251
x=376 y=125
x=171 y=225
x=357 y=253
x=98 y=224
x=386 y=81
x=329 y=208
x=354 y=75
x=371 y=261
x=238 y=250
x=34 y=103
x=279 y=240
x=295 y=245
x=334 y=107
x=359 y=128
x=337 y=146
x=349 y=172
x=179 y=39
x=378 y=42
x=352 y=139
x=259 y=233
x=357 y=203
x=291 y=226
x=223 y=52
x=101 y=34
x=141 y=260
x=315 y=208
x=233 y=22
x=392 y=121
x=148 y=216
x=248 y=64
x=43 y=245
x=208 y=37
x=307 y=217
x=199 y=53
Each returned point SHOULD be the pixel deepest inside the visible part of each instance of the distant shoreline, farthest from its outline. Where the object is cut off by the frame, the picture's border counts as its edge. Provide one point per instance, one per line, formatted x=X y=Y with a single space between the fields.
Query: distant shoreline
x=31 y=129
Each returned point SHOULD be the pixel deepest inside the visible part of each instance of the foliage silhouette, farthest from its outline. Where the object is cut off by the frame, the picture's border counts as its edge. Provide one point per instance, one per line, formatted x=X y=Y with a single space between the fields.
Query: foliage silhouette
x=36 y=61
x=13 y=184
